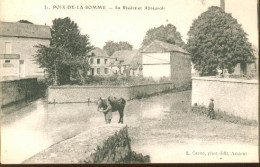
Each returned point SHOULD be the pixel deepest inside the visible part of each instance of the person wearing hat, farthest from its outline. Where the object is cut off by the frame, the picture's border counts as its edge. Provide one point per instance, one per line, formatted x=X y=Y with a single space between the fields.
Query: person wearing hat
x=211 y=109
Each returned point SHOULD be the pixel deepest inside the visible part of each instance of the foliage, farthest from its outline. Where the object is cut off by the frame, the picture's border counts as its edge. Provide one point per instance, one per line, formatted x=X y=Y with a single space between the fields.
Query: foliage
x=119 y=80
x=217 y=41
x=25 y=21
x=166 y=33
x=111 y=47
x=66 y=54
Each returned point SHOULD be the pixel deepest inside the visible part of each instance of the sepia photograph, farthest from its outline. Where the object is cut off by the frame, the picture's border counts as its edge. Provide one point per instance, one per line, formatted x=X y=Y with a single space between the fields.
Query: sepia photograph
x=129 y=81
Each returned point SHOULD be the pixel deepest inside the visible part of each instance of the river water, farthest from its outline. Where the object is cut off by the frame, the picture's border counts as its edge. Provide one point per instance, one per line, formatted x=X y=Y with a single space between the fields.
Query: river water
x=29 y=128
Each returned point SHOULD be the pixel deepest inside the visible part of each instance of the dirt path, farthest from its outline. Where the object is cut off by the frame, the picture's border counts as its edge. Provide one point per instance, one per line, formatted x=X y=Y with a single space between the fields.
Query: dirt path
x=181 y=127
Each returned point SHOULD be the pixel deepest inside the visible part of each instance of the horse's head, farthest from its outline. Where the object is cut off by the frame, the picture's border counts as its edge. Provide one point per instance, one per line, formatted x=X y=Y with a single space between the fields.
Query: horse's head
x=101 y=103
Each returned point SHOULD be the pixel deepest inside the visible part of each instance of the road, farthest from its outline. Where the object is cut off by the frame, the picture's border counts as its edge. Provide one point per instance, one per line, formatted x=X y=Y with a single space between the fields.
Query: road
x=160 y=126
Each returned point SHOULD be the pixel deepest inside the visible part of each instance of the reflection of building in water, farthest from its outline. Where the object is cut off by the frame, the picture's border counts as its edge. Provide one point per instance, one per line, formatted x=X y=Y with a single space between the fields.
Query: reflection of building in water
x=154 y=110
x=17 y=48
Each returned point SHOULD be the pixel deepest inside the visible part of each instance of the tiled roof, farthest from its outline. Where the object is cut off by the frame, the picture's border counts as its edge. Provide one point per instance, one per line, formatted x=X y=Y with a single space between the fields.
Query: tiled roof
x=136 y=61
x=159 y=47
x=10 y=29
x=97 y=52
x=126 y=56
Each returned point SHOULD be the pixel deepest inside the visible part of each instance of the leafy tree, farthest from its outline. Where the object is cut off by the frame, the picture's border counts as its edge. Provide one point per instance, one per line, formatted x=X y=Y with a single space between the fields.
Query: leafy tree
x=66 y=55
x=111 y=47
x=217 y=41
x=166 y=33
x=25 y=21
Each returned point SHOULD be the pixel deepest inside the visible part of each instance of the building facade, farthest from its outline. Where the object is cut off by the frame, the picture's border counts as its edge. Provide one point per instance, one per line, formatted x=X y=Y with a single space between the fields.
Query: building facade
x=127 y=62
x=99 y=62
x=164 y=60
x=17 y=41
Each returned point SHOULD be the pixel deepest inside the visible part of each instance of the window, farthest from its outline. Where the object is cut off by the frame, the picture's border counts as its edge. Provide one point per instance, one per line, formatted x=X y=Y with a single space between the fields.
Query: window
x=7 y=61
x=91 y=61
x=105 y=61
x=21 y=61
x=92 y=71
x=8 y=48
x=98 y=70
x=98 y=61
x=106 y=70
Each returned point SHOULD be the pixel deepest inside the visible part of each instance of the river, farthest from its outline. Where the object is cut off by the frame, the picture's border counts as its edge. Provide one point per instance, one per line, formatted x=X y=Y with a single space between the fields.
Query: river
x=29 y=128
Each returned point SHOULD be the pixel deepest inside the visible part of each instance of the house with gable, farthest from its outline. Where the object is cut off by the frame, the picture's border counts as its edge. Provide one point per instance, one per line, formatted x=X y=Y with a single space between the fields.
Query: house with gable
x=161 y=59
x=99 y=62
x=17 y=41
x=126 y=62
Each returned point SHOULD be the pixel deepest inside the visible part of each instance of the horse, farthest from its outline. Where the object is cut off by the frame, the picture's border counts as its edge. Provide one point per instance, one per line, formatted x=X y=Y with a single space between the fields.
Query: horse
x=117 y=105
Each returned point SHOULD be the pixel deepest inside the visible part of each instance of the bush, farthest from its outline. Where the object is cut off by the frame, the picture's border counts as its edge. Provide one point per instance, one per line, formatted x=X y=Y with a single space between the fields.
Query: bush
x=223 y=116
x=120 y=80
x=42 y=87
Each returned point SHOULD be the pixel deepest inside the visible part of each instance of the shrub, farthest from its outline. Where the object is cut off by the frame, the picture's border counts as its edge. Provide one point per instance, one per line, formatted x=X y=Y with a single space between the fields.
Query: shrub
x=223 y=116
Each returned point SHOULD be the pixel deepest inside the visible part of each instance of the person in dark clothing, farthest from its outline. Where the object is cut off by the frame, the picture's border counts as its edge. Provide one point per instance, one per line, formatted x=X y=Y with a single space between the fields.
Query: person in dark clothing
x=211 y=109
x=107 y=112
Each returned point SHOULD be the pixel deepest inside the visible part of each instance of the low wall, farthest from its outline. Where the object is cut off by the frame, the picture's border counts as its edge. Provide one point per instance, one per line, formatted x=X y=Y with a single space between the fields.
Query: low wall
x=236 y=97
x=16 y=90
x=104 y=144
x=68 y=94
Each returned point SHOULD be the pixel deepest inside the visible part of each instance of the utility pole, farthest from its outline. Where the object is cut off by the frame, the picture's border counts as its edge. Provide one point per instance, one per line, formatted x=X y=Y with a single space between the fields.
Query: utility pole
x=55 y=75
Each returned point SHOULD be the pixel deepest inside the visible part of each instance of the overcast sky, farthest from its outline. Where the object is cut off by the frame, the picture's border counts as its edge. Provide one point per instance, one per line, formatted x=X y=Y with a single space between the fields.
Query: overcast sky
x=131 y=25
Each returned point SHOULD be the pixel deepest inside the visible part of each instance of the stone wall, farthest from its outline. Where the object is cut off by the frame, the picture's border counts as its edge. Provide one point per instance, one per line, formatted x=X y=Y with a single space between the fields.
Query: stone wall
x=104 y=144
x=180 y=69
x=235 y=97
x=70 y=94
x=16 y=90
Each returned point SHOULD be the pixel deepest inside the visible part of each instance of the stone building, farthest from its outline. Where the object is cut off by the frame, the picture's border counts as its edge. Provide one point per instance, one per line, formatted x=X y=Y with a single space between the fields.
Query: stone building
x=161 y=59
x=17 y=41
x=127 y=62
x=99 y=62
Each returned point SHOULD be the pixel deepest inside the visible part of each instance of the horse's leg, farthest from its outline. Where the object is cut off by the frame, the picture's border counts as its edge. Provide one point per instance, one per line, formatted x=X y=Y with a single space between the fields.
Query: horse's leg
x=121 y=112
x=119 y=116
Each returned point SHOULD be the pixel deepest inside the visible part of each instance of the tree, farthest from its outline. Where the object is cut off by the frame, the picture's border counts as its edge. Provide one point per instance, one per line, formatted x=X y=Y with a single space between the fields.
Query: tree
x=167 y=33
x=217 y=41
x=66 y=55
x=25 y=21
x=111 y=47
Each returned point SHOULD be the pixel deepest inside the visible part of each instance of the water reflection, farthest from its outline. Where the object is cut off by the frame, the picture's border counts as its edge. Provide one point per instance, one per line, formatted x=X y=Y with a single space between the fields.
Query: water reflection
x=29 y=128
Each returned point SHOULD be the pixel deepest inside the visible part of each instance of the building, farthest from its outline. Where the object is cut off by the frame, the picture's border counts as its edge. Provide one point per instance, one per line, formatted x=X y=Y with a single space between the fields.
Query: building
x=161 y=59
x=17 y=41
x=127 y=62
x=248 y=68
x=99 y=62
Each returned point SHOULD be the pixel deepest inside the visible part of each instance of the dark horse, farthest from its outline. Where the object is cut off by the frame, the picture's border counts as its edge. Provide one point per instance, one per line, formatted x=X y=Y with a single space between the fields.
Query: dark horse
x=117 y=105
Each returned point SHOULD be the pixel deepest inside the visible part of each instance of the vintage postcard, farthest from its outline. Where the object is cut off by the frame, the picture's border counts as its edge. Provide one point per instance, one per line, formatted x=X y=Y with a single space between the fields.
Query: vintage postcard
x=129 y=81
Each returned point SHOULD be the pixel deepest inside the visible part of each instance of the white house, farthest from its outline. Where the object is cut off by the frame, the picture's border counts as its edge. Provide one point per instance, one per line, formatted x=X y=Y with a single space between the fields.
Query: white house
x=17 y=41
x=99 y=62
x=161 y=59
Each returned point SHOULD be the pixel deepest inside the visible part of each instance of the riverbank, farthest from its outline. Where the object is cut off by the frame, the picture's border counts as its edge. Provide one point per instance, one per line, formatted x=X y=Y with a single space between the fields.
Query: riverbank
x=161 y=126
x=179 y=130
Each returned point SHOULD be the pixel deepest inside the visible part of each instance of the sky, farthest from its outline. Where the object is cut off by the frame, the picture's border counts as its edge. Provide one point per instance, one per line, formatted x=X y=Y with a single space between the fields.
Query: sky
x=126 y=25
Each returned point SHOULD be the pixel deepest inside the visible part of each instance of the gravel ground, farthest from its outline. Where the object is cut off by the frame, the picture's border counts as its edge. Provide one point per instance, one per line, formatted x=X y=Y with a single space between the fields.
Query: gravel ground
x=181 y=128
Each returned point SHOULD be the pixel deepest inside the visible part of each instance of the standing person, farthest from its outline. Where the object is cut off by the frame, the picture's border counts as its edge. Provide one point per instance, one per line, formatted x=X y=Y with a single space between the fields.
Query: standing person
x=211 y=109
x=107 y=112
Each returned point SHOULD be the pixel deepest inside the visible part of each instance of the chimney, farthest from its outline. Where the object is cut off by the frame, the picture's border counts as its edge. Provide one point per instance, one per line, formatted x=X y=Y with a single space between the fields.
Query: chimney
x=222 y=4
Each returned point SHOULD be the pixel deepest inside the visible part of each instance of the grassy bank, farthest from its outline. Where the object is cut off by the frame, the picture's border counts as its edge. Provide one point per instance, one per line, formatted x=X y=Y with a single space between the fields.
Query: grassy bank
x=223 y=116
